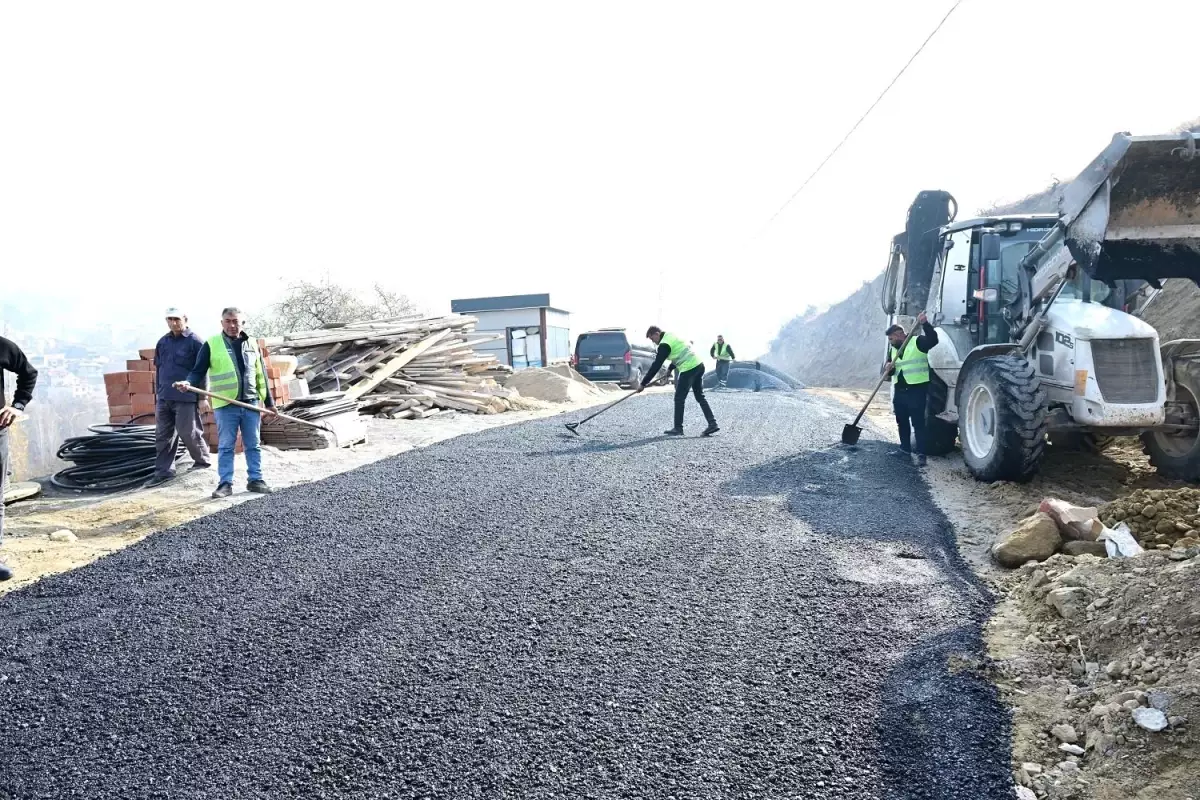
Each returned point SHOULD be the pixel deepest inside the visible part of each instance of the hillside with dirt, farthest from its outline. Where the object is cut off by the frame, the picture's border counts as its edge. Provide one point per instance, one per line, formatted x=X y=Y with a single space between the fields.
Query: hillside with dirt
x=842 y=347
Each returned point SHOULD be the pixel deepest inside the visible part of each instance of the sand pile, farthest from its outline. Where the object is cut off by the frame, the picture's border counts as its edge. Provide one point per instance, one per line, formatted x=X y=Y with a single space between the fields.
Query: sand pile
x=551 y=386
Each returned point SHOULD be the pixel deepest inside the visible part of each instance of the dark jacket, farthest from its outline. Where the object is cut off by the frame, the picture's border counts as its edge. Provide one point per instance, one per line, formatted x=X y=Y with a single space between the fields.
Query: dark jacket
x=12 y=359
x=174 y=357
x=245 y=393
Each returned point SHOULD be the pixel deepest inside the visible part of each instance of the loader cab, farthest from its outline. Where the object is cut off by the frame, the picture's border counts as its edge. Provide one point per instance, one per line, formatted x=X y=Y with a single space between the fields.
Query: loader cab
x=993 y=280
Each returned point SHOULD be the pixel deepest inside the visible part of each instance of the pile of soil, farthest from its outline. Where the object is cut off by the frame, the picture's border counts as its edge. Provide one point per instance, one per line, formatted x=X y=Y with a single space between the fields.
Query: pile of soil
x=1175 y=311
x=1158 y=518
x=1089 y=651
x=551 y=386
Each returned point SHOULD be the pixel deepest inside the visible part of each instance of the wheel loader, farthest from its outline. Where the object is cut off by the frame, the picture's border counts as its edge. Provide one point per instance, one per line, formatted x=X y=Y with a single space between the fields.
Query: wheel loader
x=1036 y=342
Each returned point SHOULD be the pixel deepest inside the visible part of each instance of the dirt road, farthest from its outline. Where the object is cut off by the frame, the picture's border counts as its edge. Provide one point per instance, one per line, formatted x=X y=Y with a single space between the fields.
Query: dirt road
x=520 y=613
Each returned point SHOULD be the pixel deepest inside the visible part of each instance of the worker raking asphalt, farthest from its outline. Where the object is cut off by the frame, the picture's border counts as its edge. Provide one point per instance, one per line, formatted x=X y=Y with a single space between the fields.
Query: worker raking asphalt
x=523 y=613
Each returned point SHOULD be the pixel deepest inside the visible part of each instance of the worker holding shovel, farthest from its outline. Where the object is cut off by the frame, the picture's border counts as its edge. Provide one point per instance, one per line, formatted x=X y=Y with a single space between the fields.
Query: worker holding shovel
x=909 y=369
x=234 y=367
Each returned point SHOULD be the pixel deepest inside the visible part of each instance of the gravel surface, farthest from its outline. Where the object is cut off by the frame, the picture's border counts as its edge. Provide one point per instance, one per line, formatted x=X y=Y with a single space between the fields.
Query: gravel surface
x=521 y=613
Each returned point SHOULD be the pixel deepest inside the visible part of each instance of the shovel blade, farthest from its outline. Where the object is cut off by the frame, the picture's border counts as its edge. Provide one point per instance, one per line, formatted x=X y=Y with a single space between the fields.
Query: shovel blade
x=850 y=434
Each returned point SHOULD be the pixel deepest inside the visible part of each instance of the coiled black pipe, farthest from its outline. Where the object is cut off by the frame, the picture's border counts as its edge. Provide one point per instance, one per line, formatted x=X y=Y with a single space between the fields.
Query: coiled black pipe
x=118 y=456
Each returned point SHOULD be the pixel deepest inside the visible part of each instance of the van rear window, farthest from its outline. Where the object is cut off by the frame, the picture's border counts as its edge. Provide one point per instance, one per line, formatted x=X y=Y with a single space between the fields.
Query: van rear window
x=602 y=344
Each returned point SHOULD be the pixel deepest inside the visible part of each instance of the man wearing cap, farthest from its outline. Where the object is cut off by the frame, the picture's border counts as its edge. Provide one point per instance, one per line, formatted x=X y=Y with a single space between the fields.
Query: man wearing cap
x=176 y=413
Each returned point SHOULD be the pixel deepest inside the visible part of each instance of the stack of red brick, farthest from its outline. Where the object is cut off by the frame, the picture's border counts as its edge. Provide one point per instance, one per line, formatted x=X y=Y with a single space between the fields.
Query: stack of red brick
x=131 y=394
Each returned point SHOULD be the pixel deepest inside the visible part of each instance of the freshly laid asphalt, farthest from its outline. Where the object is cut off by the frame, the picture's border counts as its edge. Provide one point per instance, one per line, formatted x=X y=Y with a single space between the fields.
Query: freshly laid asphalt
x=521 y=613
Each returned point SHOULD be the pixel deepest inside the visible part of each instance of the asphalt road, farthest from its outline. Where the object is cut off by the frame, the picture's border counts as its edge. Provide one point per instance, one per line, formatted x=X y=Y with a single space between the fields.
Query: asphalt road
x=524 y=614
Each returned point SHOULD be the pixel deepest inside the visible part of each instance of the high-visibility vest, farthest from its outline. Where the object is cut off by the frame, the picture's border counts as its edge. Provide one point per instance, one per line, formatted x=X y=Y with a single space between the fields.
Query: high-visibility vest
x=223 y=374
x=681 y=353
x=723 y=352
x=913 y=364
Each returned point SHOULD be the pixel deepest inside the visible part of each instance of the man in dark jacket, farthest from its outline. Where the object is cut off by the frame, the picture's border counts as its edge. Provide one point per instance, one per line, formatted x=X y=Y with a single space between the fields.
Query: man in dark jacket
x=11 y=360
x=177 y=413
x=910 y=382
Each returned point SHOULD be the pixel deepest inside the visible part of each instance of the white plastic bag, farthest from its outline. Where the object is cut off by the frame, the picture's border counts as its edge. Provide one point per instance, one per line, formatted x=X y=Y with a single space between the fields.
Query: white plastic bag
x=1119 y=542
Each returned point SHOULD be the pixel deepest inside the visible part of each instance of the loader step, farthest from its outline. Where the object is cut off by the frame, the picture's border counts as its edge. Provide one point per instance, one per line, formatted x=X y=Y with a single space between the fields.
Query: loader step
x=948 y=416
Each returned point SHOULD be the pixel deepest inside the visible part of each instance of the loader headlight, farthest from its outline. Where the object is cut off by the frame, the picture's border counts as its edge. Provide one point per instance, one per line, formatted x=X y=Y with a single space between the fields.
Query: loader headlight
x=1013 y=227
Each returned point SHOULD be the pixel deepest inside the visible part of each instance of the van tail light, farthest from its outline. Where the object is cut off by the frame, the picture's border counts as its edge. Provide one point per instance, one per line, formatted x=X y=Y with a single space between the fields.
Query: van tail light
x=628 y=356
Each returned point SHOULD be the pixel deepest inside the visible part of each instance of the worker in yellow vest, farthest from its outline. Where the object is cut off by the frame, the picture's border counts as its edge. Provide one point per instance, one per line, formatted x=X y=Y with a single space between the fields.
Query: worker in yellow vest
x=689 y=374
x=910 y=382
x=723 y=354
x=234 y=366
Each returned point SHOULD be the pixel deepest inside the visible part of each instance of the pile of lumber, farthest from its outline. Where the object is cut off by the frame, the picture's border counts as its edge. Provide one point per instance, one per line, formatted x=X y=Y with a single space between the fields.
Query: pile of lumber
x=402 y=368
x=340 y=416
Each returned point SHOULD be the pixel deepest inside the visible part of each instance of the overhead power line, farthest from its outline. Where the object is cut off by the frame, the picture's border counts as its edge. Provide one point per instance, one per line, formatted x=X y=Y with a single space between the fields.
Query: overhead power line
x=833 y=152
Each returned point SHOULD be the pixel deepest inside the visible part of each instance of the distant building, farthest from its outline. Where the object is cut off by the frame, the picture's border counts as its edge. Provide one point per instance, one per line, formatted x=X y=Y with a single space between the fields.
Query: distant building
x=532 y=332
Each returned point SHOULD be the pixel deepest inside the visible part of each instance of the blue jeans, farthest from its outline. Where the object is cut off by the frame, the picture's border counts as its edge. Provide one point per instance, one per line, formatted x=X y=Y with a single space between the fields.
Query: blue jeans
x=231 y=419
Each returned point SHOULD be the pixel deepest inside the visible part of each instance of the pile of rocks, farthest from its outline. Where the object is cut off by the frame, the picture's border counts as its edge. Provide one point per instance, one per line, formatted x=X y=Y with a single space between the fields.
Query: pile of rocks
x=1108 y=672
x=1158 y=518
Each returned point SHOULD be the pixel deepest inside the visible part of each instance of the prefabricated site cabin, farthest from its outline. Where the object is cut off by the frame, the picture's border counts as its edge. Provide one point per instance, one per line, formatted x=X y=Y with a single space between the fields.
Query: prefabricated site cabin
x=534 y=333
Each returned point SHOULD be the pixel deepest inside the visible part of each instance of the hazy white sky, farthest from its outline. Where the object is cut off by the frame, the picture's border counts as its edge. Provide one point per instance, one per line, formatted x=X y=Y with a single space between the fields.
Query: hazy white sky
x=199 y=154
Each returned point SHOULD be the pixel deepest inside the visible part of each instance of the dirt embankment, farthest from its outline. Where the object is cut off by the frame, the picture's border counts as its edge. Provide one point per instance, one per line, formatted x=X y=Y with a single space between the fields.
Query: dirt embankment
x=1175 y=312
x=842 y=347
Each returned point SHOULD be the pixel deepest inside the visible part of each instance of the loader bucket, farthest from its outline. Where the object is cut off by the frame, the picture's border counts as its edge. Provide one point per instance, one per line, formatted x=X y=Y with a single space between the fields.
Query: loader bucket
x=1134 y=213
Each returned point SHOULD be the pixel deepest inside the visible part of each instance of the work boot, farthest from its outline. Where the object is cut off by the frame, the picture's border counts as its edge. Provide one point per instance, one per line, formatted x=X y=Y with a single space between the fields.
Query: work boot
x=921 y=460
x=157 y=480
x=674 y=432
x=5 y=572
x=259 y=487
x=222 y=490
x=199 y=465
x=710 y=430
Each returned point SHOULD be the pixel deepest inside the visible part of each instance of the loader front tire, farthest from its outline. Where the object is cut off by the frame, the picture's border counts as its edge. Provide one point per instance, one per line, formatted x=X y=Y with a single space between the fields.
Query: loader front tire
x=1177 y=455
x=1002 y=419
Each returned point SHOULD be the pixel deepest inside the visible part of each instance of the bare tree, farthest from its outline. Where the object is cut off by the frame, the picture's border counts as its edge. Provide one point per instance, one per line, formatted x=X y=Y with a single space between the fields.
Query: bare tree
x=308 y=305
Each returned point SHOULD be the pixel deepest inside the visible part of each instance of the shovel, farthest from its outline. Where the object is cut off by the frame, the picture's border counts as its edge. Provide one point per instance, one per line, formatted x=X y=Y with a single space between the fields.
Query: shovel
x=260 y=410
x=571 y=426
x=851 y=432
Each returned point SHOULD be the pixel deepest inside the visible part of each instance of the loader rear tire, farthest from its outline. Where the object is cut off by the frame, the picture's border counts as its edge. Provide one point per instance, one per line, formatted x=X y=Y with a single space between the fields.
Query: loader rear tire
x=940 y=435
x=1174 y=455
x=1080 y=442
x=1002 y=419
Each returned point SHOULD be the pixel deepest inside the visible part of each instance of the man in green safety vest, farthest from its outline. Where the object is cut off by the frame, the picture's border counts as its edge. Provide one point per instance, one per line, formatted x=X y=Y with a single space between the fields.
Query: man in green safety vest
x=234 y=366
x=689 y=372
x=723 y=353
x=910 y=382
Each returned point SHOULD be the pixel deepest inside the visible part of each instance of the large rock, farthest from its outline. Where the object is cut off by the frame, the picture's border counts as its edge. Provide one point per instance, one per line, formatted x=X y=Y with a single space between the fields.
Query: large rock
x=1035 y=539
x=1070 y=602
x=1082 y=548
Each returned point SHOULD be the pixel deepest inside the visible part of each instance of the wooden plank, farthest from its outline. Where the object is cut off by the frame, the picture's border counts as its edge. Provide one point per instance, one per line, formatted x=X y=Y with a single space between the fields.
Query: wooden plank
x=393 y=366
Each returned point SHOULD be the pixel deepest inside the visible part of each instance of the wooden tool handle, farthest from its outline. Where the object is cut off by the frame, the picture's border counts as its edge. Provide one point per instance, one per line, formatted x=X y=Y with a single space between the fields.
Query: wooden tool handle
x=259 y=409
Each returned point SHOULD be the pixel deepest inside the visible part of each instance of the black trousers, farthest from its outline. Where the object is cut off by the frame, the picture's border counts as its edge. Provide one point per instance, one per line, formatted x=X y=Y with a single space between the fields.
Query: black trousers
x=909 y=404
x=182 y=419
x=691 y=381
